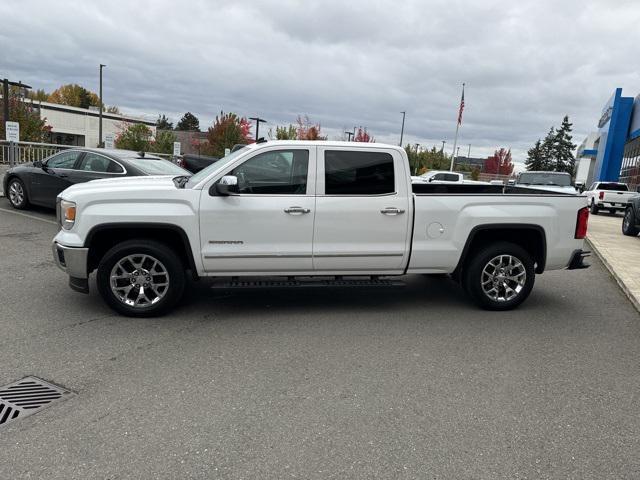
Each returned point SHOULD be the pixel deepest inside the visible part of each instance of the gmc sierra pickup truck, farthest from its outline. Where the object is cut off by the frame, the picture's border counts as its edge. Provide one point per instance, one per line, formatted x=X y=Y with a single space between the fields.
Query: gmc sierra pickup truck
x=314 y=213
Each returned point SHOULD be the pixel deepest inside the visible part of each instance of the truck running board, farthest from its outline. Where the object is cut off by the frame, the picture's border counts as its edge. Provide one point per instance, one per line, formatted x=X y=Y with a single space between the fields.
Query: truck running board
x=307 y=282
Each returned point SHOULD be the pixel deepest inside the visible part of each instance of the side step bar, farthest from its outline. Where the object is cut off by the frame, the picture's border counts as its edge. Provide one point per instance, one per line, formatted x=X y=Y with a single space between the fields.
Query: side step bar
x=308 y=282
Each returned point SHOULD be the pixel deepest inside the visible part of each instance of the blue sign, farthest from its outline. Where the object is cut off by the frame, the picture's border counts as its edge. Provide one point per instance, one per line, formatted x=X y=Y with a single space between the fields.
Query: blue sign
x=614 y=128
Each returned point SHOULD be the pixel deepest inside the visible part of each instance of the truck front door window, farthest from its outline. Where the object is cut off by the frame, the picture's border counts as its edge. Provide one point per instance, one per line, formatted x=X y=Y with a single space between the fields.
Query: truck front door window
x=279 y=172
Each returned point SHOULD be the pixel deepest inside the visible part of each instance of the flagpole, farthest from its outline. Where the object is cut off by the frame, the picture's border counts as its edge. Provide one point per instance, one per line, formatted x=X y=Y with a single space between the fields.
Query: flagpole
x=455 y=140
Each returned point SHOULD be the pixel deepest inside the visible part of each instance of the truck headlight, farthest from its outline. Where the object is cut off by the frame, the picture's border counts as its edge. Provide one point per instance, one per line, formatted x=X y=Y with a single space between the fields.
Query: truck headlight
x=67 y=214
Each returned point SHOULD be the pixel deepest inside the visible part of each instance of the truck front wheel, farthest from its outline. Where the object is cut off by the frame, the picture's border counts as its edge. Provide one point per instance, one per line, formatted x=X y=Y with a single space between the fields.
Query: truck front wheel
x=500 y=276
x=141 y=278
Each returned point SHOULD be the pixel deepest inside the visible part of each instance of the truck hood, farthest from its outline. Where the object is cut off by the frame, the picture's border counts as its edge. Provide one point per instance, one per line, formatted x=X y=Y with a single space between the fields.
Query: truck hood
x=123 y=184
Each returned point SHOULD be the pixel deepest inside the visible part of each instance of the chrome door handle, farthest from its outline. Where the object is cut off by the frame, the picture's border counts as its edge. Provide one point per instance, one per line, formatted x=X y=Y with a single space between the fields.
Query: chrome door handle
x=391 y=211
x=296 y=210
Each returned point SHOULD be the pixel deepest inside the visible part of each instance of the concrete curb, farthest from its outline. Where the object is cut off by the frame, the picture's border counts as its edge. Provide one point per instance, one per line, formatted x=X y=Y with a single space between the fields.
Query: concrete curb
x=632 y=298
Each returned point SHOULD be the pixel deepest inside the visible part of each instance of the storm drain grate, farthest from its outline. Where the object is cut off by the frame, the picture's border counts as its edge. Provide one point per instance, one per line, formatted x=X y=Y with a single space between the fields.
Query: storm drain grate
x=26 y=397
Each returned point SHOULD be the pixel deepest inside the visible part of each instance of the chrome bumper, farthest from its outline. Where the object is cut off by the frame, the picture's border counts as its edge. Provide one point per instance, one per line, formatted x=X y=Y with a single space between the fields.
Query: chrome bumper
x=71 y=260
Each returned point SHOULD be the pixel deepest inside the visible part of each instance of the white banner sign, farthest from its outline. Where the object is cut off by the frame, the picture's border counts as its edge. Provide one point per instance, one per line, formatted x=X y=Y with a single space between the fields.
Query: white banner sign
x=176 y=149
x=110 y=141
x=12 y=130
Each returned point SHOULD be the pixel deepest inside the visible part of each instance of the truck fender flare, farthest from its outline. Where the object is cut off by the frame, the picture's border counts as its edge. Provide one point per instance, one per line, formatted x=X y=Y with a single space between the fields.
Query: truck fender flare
x=502 y=226
x=145 y=226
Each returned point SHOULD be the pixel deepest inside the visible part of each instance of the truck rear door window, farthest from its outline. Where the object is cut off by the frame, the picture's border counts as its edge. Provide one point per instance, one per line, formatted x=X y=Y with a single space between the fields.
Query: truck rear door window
x=358 y=173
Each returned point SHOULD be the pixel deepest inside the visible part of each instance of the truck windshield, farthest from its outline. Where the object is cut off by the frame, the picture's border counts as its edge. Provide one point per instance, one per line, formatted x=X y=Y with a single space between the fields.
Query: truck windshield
x=543 y=178
x=617 y=187
x=223 y=162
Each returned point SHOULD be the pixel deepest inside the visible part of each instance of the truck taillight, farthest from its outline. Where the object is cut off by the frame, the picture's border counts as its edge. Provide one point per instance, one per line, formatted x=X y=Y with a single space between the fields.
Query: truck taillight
x=601 y=195
x=581 y=223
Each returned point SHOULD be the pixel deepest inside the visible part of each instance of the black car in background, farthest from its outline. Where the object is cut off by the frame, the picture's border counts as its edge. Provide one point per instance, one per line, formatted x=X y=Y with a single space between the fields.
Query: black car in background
x=40 y=182
x=195 y=163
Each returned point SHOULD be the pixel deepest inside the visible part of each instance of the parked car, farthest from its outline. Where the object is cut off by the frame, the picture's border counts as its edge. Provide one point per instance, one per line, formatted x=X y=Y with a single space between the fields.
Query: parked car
x=40 y=182
x=442 y=176
x=631 y=219
x=612 y=196
x=303 y=210
x=195 y=163
x=550 y=181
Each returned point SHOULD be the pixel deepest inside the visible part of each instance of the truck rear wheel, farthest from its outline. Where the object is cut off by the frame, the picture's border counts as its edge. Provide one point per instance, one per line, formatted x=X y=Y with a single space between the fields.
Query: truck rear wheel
x=500 y=276
x=594 y=208
x=141 y=278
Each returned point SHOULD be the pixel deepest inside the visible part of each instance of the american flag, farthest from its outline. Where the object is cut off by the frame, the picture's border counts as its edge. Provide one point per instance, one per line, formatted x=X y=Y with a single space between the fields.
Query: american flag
x=461 y=107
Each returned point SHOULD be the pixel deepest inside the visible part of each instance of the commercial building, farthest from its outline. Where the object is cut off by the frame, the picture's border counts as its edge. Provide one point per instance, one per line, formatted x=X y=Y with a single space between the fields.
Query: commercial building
x=612 y=153
x=79 y=126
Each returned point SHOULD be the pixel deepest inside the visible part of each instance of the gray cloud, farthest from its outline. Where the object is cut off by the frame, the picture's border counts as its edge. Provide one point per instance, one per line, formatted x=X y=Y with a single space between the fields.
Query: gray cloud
x=526 y=64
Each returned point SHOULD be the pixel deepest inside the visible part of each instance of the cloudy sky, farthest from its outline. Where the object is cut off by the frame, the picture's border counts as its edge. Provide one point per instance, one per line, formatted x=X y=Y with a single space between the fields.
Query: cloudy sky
x=526 y=64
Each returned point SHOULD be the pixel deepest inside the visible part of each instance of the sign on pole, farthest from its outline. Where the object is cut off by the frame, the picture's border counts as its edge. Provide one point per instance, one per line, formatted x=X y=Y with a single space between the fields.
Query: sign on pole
x=12 y=130
x=176 y=149
x=110 y=141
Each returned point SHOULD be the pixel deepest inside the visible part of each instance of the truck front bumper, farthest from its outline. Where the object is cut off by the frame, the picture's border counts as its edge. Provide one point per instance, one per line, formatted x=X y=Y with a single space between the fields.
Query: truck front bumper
x=73 y=261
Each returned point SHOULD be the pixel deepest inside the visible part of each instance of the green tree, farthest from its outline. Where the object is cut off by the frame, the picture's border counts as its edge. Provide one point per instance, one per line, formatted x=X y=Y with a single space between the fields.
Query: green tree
x=163 y=123
x=228 y=130
x=563 y=148
x=286 y=133
x=32 y=127
x=38 y=95
x=163 y=142
x=547 y=150
x=135 y=136
x=75 y=96
x=535 y=159
x=189 y=122
x=113 y=109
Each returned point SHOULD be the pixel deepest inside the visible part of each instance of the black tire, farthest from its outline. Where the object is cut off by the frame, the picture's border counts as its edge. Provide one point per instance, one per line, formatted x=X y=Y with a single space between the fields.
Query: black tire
x=594 y=208
x=473 y=276
x=162 y=299
x=17 y=194
x=629 y=223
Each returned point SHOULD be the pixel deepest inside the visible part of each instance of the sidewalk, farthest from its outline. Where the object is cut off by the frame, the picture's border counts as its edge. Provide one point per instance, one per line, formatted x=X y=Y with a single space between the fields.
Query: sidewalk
x=619 y=253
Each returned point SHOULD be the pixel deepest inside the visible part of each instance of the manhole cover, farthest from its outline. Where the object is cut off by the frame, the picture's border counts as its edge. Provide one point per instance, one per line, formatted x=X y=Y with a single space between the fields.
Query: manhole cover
x=26 y=397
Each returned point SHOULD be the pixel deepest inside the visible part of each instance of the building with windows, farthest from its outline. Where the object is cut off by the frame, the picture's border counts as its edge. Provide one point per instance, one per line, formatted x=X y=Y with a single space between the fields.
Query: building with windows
x=613 y=151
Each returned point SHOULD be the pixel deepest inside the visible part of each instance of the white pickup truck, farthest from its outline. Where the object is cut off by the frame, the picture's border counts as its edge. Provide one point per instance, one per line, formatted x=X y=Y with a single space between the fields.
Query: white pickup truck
x=612 y=196
x=315 y=213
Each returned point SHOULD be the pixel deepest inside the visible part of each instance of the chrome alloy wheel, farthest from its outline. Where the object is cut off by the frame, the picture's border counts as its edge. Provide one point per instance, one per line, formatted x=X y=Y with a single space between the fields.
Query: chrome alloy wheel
x=139 y=281
x=503 y=278
x=16 y=193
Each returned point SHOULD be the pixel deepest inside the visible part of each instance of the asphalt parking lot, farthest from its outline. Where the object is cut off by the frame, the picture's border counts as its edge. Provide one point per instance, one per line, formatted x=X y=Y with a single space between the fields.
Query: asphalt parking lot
x=405 y=383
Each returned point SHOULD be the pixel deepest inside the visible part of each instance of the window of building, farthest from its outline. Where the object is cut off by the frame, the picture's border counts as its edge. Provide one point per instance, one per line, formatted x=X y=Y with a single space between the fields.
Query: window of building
x=358 y=173
x=279 y=172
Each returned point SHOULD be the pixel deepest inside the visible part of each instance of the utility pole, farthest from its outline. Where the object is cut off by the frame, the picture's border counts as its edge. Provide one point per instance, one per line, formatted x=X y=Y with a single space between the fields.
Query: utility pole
x=101 y=108
x=443 y=142
x=258 y=121
x=349 y=136
x=402 y=130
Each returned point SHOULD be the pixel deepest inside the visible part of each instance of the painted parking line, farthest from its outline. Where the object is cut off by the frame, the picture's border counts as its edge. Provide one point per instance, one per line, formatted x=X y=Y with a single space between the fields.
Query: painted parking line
x=29 y=216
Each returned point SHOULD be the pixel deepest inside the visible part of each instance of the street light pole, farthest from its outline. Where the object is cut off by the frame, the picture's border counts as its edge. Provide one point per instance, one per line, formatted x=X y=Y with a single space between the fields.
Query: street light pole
x=258 y=121
x=443 y=142
x=101 y=107
x=402 y=129
x=469 y=152
x=349 y=136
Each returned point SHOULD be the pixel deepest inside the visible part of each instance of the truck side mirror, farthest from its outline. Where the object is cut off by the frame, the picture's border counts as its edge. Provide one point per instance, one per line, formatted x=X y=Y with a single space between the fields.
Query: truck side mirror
x=228 y=185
